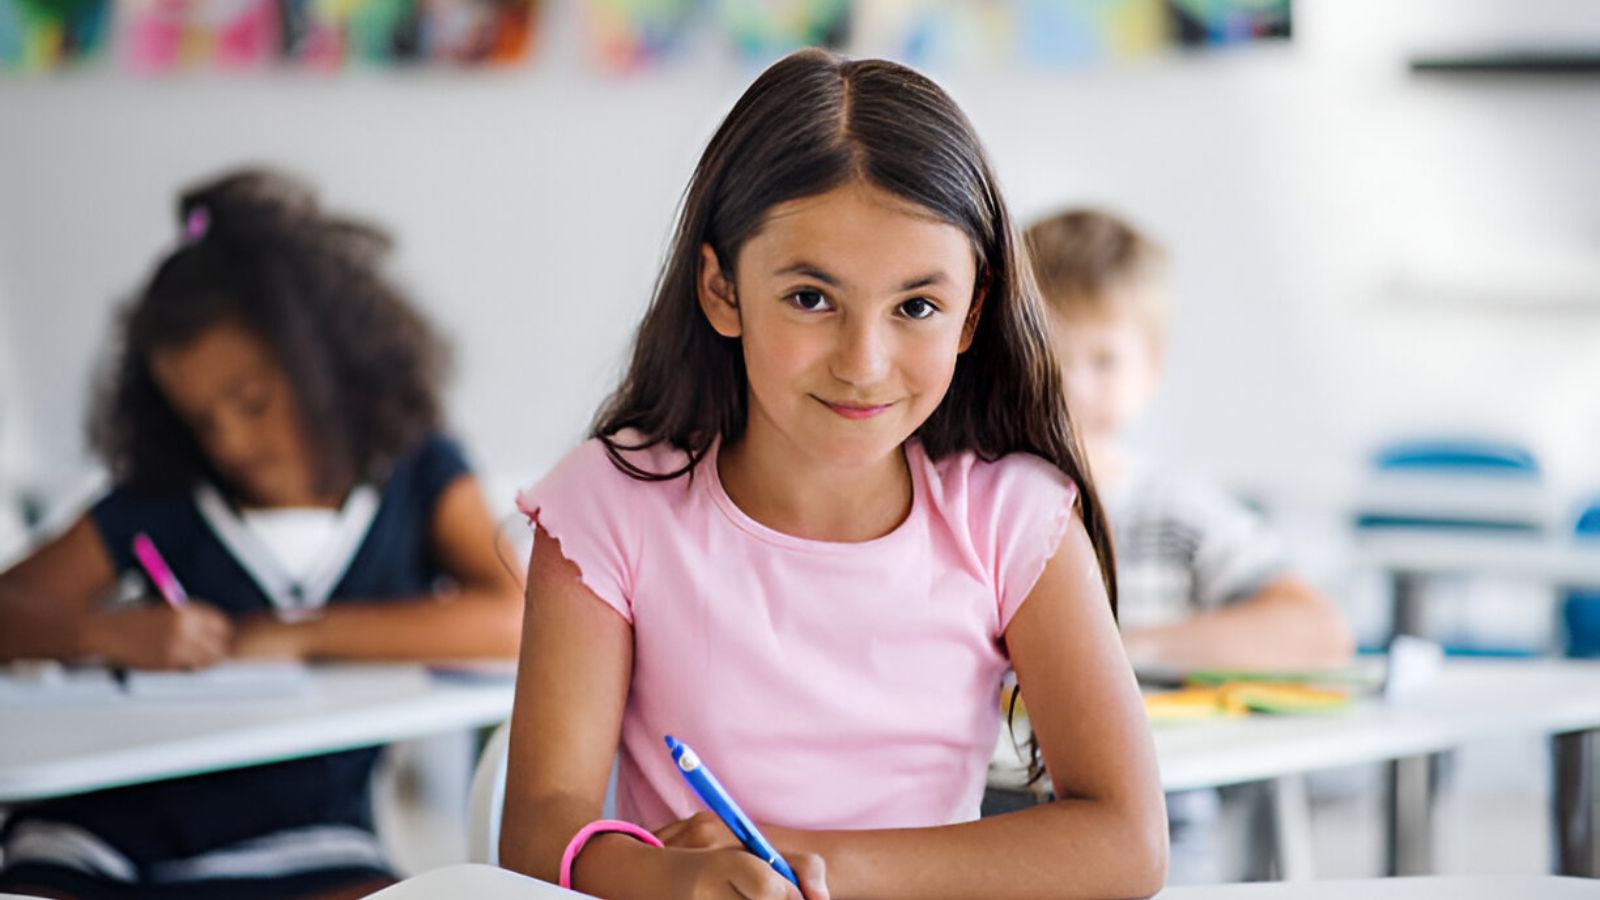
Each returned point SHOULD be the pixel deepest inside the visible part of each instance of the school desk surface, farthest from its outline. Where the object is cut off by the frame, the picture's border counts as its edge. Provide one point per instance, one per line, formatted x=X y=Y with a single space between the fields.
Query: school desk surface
x=1469 y=700
x=56 y=749
x=1475 y=887
x=482 y=882
x=1410 y=557
x=473 y=880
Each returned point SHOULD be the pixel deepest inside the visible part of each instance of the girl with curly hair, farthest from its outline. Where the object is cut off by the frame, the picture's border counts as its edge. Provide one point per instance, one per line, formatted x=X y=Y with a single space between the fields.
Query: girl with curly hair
x=272 y=422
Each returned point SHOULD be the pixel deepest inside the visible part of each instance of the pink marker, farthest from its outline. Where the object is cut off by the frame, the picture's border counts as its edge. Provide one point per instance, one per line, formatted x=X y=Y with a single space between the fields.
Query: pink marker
x=166 y=582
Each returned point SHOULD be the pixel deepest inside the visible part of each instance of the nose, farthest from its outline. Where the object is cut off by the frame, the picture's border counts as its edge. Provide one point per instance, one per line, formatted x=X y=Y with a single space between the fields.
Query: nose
x=1075 y=379
x=229 y=441
x=861 y=353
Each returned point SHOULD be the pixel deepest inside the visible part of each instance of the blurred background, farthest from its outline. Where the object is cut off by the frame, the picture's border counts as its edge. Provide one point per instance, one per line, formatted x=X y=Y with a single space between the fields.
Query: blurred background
x=1384 y=220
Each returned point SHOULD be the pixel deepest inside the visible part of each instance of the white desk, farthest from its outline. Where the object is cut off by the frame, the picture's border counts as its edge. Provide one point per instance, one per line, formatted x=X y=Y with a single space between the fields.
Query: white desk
x=489 y=883
x=1563 y=561
x=55 y=750
x=1483 y=887
x=473 y=880
x=1470 y=700
x=1411 y=557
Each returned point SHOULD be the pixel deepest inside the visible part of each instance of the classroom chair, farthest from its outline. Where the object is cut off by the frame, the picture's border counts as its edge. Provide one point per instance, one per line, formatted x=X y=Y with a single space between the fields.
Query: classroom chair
x=1580 y=611
x=487 y=797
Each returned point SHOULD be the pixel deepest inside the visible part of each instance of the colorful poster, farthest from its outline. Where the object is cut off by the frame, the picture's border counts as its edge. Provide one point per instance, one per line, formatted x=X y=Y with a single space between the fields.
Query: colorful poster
x=165 y=36
x=629 y=35
x=477 y=32
x=1215 y=22
x=763 y=30
x=39 y=35
x=168 y=35
x=941 y=33
x=937 y=33
x=1086 y=31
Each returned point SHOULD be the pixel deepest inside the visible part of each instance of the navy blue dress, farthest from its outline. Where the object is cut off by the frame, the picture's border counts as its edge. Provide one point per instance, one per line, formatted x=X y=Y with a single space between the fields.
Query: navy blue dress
x=321 y=801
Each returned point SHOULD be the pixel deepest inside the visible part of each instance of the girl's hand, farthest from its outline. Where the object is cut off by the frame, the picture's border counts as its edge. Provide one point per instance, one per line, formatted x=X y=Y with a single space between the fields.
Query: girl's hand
x=701 y=831
x=705 y=831
x=265 y=636
x=158 y=636
x=740 y=875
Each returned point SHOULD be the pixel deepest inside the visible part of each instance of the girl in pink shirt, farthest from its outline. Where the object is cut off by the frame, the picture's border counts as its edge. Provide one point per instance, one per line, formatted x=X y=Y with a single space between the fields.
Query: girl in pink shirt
x=836 y=496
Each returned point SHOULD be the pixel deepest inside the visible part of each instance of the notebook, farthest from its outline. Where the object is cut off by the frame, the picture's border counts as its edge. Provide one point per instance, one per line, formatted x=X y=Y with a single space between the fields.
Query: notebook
x=231 y=680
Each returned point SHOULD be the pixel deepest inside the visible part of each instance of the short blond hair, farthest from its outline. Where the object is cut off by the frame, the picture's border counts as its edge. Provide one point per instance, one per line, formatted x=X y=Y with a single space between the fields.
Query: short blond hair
x=1089 y=261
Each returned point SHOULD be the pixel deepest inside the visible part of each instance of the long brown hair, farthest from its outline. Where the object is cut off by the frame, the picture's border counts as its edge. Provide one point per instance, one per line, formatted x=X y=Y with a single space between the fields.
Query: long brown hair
x=810 y=123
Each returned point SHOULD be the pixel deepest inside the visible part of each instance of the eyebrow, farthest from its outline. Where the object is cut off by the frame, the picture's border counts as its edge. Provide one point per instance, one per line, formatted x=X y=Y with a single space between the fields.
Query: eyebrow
x=812 y=271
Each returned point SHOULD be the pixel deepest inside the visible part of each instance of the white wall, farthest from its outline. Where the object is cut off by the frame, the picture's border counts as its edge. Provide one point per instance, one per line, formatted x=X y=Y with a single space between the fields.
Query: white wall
x=1297 y=185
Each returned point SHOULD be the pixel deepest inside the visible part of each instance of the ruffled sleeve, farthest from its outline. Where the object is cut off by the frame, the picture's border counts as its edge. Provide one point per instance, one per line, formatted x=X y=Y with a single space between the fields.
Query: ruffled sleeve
x=1021 y=506
x=592 y=509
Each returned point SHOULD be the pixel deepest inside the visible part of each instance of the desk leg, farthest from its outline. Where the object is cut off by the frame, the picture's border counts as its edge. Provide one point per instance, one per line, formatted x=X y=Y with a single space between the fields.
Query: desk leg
x=1407 y=603
x=1291 y=819
x=1573 y=804
x=1410 y=814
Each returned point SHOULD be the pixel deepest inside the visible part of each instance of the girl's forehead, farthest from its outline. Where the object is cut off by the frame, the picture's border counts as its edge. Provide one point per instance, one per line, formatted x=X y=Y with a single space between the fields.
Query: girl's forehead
x=857 y=193
x=212 y=361
x=859 y=229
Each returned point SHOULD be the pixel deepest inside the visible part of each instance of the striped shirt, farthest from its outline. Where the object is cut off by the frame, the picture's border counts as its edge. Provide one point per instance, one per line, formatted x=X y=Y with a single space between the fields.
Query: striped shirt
x=1183 y=546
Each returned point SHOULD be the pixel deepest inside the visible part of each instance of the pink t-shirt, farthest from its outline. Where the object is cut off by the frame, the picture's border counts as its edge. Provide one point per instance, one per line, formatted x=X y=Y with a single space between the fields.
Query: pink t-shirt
x=828 y=685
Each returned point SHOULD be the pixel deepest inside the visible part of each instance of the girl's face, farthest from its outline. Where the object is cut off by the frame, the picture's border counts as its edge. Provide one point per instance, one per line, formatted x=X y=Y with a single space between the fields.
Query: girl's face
x=851 y=307
x=238 y=403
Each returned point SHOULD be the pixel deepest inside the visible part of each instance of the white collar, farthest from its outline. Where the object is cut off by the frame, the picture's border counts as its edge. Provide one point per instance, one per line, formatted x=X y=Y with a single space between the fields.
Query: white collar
x=292 y=598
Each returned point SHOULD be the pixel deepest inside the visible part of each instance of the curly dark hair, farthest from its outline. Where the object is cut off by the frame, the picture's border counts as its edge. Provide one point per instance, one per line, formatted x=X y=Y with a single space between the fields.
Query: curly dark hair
x=259 y=252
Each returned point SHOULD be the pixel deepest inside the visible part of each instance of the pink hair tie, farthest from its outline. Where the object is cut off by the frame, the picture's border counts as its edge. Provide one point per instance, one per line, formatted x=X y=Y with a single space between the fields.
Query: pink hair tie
x=196 y=225
x=602 y=826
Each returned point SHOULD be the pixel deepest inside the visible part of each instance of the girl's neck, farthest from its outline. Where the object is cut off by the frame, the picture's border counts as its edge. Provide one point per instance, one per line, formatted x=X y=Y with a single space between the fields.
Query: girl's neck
x=774 y=484
x=302 y=498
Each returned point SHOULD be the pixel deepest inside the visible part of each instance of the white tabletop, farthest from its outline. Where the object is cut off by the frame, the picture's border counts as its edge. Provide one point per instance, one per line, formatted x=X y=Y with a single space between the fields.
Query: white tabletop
x=51 y=750
x=479 y=882
x=1469 y=700
x=1561 y=561
x=1475 y=887
x=489 y=883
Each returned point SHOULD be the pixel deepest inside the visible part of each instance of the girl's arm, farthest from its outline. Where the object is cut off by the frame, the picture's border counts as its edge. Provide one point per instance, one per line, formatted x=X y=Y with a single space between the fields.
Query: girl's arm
x=1285 y=625
x=50 y=608
x=478 y=619
x=1106 y=835
x=572 y=685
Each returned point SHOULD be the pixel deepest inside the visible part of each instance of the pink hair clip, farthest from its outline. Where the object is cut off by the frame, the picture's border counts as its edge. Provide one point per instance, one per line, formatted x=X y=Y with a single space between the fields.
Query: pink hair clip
x=195 y=226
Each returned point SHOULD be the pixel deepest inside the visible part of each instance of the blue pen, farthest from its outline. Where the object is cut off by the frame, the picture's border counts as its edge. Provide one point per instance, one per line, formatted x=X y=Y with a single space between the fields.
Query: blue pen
x=717 y=800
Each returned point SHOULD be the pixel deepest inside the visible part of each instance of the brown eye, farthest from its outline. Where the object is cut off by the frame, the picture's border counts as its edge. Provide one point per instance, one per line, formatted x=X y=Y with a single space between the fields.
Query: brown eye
x=918 y=308
x=808 y=301
x=255 y=404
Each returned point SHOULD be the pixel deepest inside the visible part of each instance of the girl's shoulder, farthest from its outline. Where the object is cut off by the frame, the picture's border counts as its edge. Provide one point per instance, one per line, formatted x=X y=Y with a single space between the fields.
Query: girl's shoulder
x=618 y=474
x=989 y=487
x=1005 y=516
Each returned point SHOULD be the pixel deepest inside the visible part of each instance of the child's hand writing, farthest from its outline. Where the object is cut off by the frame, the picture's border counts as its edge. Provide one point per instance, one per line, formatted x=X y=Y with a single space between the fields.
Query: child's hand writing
x=264 y=636
x=158 y=636
x=728 y=874
x=701 y=831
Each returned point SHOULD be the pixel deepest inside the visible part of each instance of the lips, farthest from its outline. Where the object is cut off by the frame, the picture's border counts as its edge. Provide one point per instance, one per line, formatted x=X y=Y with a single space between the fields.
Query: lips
x=856 y=410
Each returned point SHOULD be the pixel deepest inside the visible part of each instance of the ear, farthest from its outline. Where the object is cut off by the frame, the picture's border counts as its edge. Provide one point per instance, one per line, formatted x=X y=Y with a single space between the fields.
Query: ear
x=969 y=328
x=718 y=300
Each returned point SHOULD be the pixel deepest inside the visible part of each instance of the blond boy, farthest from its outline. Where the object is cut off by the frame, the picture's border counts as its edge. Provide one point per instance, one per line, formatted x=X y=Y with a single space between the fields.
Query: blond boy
x=1202 y=583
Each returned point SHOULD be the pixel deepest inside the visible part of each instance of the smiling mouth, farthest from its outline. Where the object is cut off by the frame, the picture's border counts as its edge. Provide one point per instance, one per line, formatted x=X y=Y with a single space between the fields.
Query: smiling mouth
x=855 y=410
